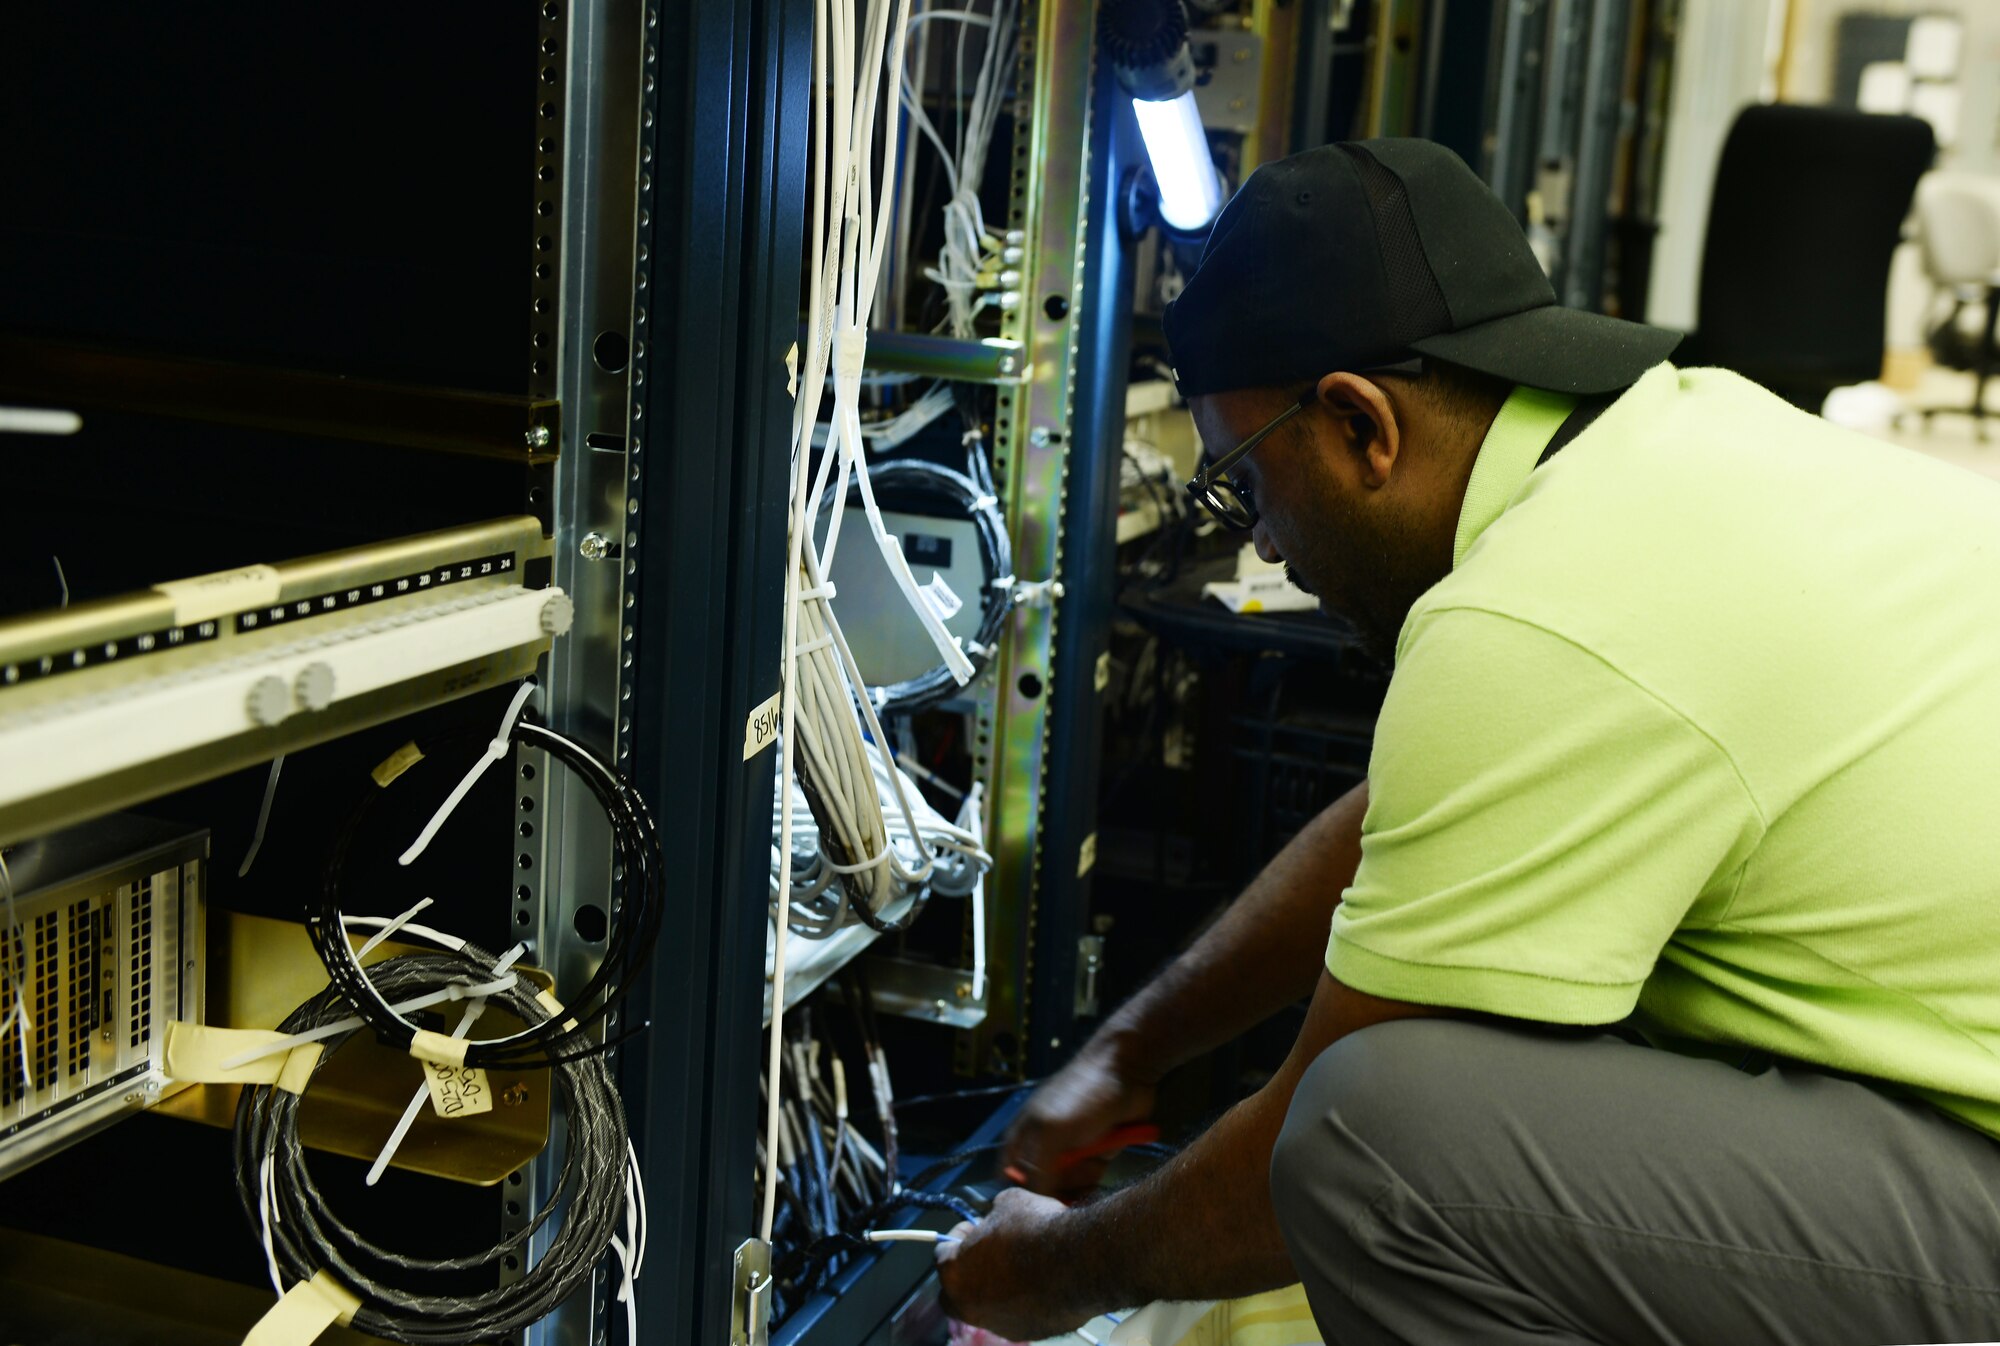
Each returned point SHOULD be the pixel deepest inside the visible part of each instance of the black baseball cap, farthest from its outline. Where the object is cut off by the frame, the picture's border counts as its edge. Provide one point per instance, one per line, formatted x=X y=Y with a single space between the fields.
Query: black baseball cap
x=1364 y=253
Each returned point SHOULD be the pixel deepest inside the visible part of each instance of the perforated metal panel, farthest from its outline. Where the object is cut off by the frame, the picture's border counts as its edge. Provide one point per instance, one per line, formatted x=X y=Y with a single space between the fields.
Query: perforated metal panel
x=101 y=949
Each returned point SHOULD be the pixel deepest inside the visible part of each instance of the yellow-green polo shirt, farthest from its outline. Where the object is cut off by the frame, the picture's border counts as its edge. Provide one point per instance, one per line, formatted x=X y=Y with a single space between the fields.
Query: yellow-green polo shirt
x=1705 y=722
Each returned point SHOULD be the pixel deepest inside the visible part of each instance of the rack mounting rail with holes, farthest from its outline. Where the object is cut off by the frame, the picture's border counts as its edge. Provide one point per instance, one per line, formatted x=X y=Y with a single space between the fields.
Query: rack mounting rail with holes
x=111 y=702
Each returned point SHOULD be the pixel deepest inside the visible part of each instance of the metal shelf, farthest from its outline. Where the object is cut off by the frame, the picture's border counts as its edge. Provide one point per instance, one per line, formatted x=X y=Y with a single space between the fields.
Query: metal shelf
x=52 y=374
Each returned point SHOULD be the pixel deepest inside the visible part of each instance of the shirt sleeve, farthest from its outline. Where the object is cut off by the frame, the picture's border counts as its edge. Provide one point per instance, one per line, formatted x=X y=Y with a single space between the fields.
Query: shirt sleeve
x=1538 y=826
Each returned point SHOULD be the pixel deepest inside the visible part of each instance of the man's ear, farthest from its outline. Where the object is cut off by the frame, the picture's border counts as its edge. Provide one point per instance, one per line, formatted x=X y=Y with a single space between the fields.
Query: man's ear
x=1367 y=424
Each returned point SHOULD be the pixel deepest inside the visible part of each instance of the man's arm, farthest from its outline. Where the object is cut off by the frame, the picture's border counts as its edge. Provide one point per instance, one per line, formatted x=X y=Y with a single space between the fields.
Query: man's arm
x=1202 y=1227
x=1267 y=952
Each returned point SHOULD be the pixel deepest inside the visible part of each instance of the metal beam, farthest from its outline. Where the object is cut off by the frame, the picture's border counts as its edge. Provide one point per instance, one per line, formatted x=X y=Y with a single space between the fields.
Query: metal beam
x=448 y=420
x=1031 y=444
x=987 y=360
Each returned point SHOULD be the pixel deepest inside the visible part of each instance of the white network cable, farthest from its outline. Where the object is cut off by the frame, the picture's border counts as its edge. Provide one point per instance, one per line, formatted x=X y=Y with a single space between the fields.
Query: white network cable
x=852 y=52
x=951 y=854
x=969 y=261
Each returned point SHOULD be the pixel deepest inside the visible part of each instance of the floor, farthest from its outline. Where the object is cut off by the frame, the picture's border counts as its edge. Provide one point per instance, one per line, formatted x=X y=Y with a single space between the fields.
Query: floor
x=1948 y=437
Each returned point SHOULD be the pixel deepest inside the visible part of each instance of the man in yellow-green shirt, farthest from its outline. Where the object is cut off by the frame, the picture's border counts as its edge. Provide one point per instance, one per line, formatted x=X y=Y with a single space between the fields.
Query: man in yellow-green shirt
x=1662 y=998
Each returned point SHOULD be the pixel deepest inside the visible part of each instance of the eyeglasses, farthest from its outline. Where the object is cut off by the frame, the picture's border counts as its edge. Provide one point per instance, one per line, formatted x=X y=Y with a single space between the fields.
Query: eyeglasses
x=1220 y=497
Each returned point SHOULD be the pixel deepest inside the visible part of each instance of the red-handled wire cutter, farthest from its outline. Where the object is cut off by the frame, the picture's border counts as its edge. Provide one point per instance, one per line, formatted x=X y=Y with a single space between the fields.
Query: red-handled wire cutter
x=1118 y=1138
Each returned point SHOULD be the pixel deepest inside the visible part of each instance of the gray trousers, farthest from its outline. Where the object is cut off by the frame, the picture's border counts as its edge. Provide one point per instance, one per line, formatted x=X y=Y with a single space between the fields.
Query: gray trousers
x=1441 y=1181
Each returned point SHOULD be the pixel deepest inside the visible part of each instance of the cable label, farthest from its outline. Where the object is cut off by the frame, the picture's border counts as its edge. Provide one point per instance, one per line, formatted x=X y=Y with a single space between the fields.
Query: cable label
x=457 y=1091
x=762 y=730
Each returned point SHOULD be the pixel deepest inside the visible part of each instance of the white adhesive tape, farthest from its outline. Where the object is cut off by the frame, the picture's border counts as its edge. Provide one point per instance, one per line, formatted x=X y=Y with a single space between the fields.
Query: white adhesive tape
x=209 y=596
x=426 y=1045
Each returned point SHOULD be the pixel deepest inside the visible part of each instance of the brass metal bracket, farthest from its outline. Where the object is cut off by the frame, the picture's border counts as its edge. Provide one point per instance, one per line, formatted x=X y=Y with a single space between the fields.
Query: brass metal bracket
x=750 y=1295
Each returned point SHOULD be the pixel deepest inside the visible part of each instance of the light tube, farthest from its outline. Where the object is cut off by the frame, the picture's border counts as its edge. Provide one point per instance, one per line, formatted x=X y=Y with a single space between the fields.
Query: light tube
x=1190 y=194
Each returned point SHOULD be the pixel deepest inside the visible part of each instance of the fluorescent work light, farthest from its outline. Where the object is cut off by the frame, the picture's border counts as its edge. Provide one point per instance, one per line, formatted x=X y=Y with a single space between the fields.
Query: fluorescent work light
x=1190 y=194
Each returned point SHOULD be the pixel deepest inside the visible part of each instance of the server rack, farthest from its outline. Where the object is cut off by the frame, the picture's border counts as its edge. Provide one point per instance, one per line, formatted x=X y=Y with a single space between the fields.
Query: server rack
x=480 y=255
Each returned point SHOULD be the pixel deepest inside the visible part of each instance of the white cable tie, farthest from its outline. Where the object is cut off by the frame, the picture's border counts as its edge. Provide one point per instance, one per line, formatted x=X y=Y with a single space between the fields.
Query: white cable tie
x=348 y=1025
x=1004 y=583
x=850 y=355
x=369 y=945
x=472 y=1013
x=907 y=1236
x=825 y=589
x=409 y=1117
x=263 y=818
x=439 y=937
x=810 y=646
x=985 y=501
x=495 y=751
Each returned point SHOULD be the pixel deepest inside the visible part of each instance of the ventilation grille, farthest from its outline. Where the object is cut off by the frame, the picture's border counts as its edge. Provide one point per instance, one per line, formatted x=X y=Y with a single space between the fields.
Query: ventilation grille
x=90 y=975
x=139 y=971
x=13 y=1068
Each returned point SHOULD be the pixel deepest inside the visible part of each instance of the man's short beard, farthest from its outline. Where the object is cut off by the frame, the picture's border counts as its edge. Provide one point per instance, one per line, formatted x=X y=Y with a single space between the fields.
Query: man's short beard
x=1298 y=581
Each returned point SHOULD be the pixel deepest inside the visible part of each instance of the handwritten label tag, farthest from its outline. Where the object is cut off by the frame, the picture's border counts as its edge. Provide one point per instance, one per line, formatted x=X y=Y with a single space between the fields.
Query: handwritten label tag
x=762 y=730
x=458 y=1091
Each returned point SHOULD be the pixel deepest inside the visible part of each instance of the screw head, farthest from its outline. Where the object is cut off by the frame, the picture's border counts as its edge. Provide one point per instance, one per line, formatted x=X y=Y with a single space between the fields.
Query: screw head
x=594 y=547
x=1008 y=364
x=537 y=437
x=514 y=1095
x=1039 y=436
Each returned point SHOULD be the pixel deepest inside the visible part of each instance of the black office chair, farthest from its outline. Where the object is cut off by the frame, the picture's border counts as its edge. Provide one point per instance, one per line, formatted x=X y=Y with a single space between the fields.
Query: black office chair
x=1809 y=205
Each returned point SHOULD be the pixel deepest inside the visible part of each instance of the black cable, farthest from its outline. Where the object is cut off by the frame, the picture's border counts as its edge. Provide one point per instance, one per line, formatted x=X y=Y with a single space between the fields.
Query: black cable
x=308 y=1237
x=636 y=908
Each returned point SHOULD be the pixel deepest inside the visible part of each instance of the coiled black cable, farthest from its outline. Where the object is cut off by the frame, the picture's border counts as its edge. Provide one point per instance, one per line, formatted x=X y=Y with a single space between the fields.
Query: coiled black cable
x=628 y=947
x=306 y=1236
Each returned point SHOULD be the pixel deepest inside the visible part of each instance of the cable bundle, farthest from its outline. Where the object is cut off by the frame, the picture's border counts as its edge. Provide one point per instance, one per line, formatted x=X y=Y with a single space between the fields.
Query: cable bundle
x=301 y=1235
x=550 y=1039
x=926 y=853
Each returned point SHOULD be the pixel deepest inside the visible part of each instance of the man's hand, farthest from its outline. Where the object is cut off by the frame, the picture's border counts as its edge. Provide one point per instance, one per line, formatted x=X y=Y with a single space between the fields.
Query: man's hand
x=1078 y=1105
x=994 y=1276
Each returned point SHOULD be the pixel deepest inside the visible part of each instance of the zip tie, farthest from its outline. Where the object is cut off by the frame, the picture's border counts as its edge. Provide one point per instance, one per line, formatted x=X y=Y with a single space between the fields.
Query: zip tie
x=263 y=818
x=432 y=933
x=369 y=945
x=459 y=1039
x=495 y=751
x=985 y=502
x=824 y=589
x=808 y=647
x=1005 y=582
x=348 y=1025
x=907 y=1236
